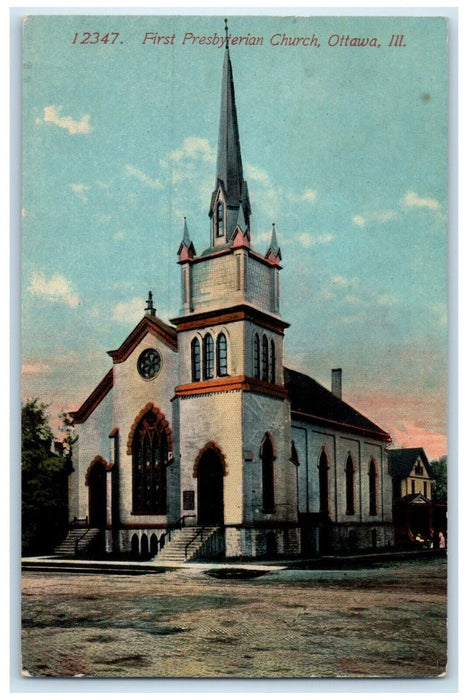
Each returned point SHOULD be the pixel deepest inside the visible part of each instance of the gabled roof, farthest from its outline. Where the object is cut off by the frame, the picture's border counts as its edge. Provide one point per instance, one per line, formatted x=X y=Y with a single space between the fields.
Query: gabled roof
x=313 y=402
x=401 y=462
x=94 y=399
x=414 y=499
x=148 y=324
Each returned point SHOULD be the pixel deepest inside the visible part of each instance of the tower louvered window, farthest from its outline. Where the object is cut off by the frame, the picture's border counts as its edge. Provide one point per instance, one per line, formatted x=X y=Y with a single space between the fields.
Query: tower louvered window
x=265 y=358
x=272 y=362
x=220 y=219
x=195 y=353
x=221 y=355
x=208 y=357
x=256 y=356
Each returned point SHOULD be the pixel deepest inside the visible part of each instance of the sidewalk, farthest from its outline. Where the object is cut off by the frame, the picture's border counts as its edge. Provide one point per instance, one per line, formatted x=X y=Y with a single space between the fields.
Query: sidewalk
x=48 y=563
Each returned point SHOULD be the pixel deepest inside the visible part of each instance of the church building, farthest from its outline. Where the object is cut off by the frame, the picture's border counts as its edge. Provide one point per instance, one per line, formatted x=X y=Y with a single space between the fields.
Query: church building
x=199 y=441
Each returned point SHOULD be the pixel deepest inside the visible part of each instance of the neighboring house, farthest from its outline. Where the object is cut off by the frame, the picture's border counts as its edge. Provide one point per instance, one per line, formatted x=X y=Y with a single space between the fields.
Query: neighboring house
x=411 y=472
x=415 y=515
x=198 y=423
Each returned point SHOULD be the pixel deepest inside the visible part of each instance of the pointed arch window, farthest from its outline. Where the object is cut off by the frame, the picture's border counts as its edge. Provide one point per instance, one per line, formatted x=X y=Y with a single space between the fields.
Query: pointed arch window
x=149 y=457
x=256 y=356
x=195 y=353
x=323 y=483
x=264 y=358
x=349 y=486
x=272 y=362
x=372 y=488
x=268 y=483
x=221 y=355
x=219 y=220
x=208 y=357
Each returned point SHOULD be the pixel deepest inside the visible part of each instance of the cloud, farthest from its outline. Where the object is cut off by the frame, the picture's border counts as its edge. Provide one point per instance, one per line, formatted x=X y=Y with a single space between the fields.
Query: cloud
x=35 y=368
x=80 y=191
x=359 y=220
x=57 y=289
x=129 y=311
x=308 y=239
x=194 y=147
x=411 y=199
x=306 y=196
x=267 y=195
x=380 y=216
x=386 y=300
x=154 y=183
x=341 y=281
x=309 y=195
x=353 y=299
x=52 y=115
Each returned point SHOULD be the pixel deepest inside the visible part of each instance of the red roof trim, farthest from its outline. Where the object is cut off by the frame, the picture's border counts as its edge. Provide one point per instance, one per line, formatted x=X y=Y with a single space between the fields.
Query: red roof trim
x=240 y=312
x=148 y=324
x=94 y=399
x=381 y=435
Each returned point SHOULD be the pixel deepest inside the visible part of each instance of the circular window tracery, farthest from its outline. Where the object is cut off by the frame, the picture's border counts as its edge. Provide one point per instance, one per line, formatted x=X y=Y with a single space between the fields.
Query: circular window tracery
x=149 y=363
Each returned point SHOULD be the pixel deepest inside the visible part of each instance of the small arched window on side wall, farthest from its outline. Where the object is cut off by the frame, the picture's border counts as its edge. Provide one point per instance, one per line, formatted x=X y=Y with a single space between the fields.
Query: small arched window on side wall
x=349 y=486
x=208 y=357
x=323 y=483
x=264 y=358
x=195 y=353
x=272 y=362
x=256 y=356
x=268 y=478
x=372 y=488
x=221 y=355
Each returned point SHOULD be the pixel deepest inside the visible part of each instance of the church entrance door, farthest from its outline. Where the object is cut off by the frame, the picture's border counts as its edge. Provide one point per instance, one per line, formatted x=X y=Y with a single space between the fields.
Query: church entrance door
x=97 y=495
x=210 y=489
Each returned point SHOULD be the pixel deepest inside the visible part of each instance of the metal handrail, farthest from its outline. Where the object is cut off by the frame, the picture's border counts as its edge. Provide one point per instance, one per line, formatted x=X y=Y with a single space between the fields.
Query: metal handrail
x=79 y=522
x=176 y=526
x=79 y=539
x=198 y=532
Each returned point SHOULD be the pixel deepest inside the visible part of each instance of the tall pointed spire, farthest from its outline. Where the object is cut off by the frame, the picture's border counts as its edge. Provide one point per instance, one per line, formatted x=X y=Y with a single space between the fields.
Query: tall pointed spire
x=230 y=193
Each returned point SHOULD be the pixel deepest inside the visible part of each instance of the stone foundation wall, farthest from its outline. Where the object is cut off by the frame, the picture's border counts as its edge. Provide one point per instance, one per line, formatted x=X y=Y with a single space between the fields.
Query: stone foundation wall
x=354 y=537
x=259 y=543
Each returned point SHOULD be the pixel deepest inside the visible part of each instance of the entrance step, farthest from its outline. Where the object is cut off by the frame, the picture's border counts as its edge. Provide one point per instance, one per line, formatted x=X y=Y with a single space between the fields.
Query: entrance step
x=191 y=543
x=78 y=542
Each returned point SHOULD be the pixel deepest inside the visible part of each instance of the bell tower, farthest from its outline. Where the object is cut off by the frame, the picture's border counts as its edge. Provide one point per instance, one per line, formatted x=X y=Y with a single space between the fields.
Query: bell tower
x=235 y=422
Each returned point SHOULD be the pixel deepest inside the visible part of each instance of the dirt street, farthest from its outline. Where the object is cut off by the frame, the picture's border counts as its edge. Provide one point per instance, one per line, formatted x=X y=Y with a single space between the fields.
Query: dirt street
x=384 y=622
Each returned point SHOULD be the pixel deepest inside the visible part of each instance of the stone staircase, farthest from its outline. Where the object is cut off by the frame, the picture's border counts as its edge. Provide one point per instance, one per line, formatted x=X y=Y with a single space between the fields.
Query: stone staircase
x=208 y=542
x=87 y=539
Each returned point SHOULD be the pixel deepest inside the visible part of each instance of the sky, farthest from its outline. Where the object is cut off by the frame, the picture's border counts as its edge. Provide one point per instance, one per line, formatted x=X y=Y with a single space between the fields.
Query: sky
x=344 y=148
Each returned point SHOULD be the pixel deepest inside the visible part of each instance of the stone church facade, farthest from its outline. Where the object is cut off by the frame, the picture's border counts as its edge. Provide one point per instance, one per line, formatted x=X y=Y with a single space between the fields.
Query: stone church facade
x=198 y=423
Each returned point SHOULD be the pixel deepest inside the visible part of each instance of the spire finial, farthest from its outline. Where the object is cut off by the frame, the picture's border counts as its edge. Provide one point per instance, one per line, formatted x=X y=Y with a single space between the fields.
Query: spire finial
x=226 y=31
x=150 y=310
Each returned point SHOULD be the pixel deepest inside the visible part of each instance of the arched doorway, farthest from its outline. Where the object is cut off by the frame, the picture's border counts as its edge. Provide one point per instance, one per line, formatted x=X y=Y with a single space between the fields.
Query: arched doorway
x=210 y=473
x=97 y=476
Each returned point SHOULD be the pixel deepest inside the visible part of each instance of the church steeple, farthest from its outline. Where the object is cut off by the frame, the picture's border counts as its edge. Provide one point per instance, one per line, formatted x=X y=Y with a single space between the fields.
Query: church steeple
x=230 y=193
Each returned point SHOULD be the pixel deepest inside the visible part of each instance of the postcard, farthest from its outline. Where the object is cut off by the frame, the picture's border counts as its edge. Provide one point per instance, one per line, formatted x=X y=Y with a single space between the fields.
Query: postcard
x=234 y=346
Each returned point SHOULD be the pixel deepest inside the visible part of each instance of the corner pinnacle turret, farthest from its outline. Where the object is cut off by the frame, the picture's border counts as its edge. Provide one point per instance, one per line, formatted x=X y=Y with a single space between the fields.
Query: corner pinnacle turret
x=230 y=193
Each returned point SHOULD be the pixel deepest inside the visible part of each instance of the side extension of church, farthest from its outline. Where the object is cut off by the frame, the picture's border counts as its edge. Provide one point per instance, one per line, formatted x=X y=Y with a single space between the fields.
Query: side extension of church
x=198 y=425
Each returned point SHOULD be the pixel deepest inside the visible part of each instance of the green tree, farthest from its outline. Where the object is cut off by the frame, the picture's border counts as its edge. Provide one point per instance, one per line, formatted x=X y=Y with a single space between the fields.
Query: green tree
x=439 y=487
x=43 y=481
